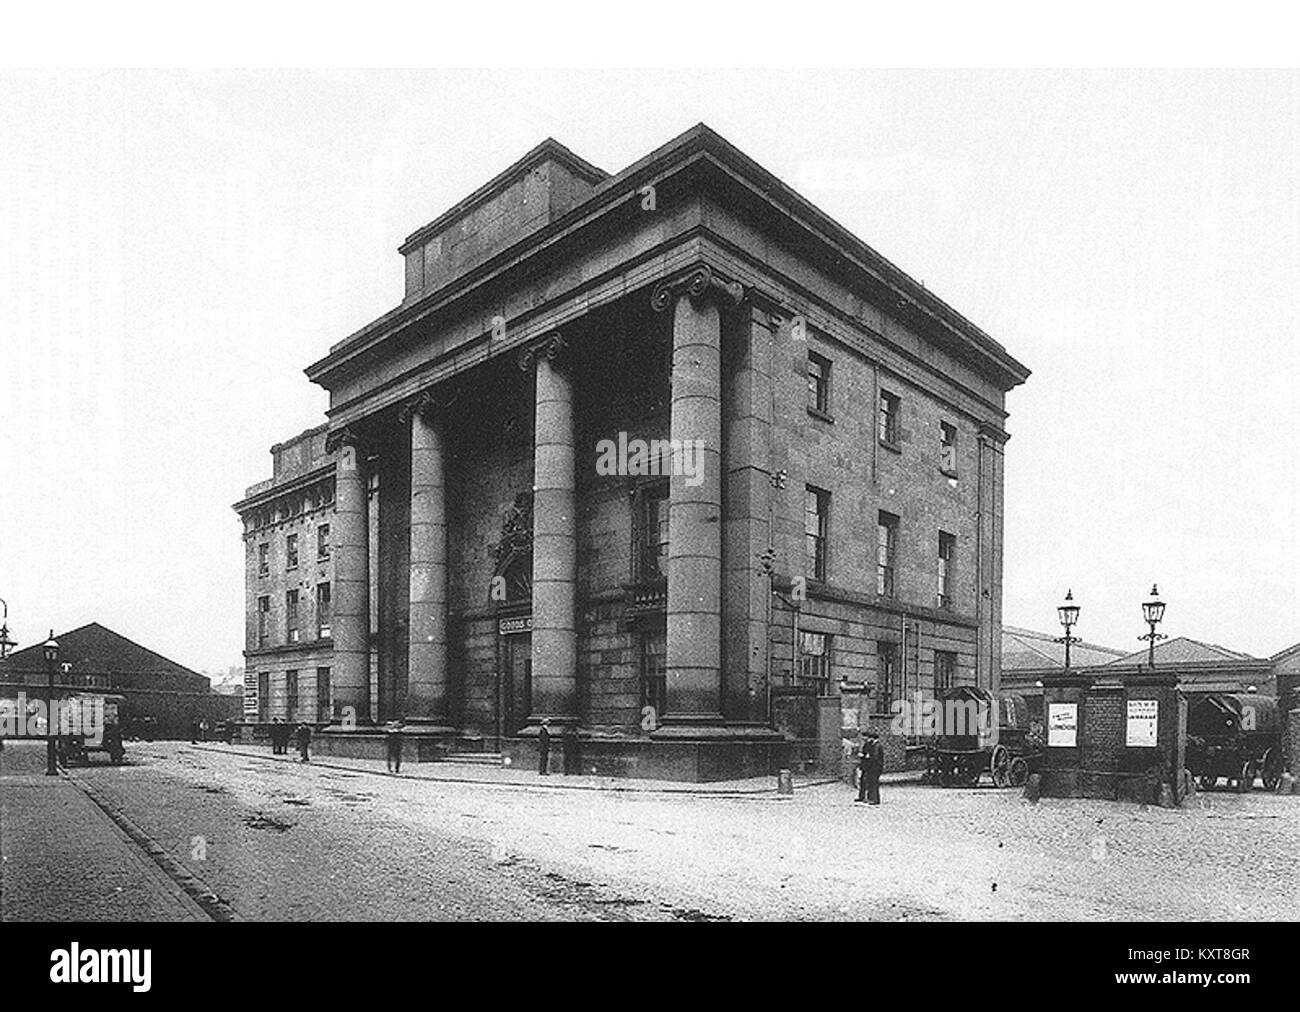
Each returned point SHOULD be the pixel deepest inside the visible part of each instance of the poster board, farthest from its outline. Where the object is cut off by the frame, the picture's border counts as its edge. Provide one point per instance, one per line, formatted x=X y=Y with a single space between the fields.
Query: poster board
x=1062 y=725
x=1140 y=727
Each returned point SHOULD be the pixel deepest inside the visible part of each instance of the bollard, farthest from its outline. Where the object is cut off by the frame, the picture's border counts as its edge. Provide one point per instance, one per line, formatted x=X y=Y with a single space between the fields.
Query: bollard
x=784 y=782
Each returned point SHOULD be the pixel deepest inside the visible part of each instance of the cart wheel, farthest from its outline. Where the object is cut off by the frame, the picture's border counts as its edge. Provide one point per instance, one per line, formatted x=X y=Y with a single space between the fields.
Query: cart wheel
x=1018 y=773
x=1207 y=782
x=1000 y=765
x=1247 y=779
x=1271 y=766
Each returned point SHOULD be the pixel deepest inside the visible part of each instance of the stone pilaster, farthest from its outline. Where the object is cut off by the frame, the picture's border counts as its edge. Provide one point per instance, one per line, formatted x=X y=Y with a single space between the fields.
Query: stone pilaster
x=426 y=698
x=555 y=543
x=350 y=534
x=694 y=659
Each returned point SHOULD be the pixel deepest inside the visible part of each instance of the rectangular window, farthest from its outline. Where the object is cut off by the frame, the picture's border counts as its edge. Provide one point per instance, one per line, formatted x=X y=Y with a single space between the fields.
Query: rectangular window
x=291 y=695
x=323 y=611
x=291 y=551
x=323 y=541
x=815 y=658
x=654 y=671
x=291 y=616
x=816 y=525
x=323 y=694
x=890 y=431
x=263 y=559
x=886 y=676
x=886 y=550
x=945 y=669
x=948 y=449
x=651 y=534
x=263 y=696
x=263 y=620
x=819 y=383
x=947 y=551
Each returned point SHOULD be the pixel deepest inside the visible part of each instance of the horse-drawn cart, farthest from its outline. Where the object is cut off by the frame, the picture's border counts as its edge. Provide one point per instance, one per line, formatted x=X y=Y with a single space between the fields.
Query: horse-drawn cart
x=1236 y=736
x=977 y=734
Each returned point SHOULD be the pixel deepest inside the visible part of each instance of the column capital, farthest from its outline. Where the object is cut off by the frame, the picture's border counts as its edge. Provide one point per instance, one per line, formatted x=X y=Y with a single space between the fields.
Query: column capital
x=346 y=436
x=698 y=283
x=552 y=346
x=426 y=404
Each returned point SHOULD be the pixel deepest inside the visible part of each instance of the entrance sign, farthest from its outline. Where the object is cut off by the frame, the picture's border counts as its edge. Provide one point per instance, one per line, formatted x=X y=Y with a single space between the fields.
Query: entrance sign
x=522 y=624
x=1062 y=724
x=1140 y=731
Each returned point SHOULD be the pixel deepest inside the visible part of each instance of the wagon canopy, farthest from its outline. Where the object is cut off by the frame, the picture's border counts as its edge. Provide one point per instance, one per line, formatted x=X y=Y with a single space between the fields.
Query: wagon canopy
x=1217 y=714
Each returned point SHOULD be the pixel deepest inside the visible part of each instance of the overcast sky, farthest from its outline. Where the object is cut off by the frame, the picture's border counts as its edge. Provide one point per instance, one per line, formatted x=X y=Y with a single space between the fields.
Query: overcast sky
x=177 y=246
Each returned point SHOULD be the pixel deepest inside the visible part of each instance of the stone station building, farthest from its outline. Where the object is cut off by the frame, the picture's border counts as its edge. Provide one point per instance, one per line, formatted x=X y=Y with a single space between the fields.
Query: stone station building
x=834 y=531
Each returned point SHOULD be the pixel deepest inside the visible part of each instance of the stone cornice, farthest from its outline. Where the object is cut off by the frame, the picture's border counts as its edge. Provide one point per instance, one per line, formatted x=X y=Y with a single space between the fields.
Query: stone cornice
x=285 y=488
x=692 y=161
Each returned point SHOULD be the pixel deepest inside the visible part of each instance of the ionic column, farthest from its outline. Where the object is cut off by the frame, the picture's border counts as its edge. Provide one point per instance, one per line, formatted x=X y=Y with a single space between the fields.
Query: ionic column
x=426 y=700
x=555 y=542
x=350 y=537
x=694 y=659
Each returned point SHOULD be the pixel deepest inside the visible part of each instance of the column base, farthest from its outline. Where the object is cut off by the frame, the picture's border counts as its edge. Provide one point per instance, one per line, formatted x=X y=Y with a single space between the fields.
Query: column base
x=678 y=754
x=418 y=744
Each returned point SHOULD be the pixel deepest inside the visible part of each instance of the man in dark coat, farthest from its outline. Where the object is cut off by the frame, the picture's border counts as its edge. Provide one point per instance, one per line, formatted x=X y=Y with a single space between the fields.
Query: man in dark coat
x=870 y=765
x=393 y=741
x=303 y=734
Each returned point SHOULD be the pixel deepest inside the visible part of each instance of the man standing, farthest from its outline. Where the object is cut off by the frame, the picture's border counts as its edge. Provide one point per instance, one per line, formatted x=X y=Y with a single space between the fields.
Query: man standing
x=303 y=733
x=870 y=765
x=393 y=739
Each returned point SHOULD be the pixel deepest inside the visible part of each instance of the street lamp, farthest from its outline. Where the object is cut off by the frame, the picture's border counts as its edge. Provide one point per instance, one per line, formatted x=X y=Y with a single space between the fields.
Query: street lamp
x=6 y=644
x=1152 y=612
x=1069 y=614
x=51 y=649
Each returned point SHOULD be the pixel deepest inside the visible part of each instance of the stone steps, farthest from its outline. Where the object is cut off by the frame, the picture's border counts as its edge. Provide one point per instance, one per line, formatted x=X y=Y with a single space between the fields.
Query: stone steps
x=473 y=758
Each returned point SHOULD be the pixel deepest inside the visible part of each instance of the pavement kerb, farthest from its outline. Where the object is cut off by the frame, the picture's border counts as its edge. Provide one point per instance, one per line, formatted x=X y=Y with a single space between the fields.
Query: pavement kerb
x=194 y=887
x=767 y=794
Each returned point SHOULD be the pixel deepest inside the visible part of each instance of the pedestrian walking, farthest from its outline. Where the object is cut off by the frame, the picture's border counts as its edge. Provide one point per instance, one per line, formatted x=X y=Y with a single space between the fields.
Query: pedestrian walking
x=544 y=747
x=194 y=732
x=203 y=729
x=871 y=764
x=303 y=734
x=393 y=740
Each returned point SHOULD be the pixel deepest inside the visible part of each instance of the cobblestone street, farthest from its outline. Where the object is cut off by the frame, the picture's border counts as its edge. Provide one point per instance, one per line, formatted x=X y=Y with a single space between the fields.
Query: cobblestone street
x=275 y=839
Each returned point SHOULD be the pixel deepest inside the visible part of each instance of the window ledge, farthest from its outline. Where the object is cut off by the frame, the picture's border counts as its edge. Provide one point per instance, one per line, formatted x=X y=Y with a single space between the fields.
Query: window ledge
x=820 y=415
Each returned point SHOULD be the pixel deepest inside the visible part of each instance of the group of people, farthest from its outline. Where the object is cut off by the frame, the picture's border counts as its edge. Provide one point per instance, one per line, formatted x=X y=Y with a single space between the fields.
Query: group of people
x=568 y=744
x=282 y=733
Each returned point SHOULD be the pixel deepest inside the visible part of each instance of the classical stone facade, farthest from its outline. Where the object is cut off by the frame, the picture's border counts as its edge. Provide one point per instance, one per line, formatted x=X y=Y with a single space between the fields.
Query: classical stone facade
x=656 y=459
x=288 y=523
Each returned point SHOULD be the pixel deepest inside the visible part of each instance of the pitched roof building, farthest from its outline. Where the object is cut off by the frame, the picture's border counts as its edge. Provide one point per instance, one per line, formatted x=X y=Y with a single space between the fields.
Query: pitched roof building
x=162 y=697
